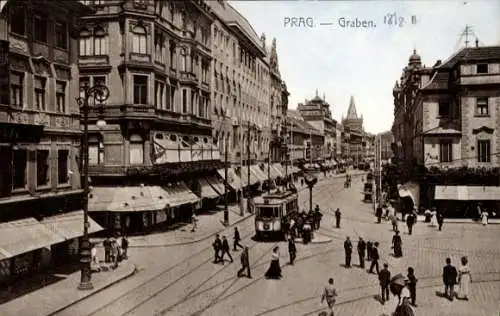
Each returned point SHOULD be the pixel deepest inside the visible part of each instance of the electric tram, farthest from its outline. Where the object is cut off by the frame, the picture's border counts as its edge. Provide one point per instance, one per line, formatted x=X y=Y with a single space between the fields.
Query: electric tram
x=272 y=213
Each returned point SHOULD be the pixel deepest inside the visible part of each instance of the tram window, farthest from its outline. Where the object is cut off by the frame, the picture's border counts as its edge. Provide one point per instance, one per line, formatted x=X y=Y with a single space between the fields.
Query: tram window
x=268 y=212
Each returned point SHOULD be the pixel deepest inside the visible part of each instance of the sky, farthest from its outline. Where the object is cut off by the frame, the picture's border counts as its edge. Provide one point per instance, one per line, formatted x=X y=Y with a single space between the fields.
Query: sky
x=364 y=62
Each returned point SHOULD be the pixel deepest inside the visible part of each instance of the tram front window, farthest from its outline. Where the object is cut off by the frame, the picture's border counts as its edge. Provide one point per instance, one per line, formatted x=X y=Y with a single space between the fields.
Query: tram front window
x=268 y=212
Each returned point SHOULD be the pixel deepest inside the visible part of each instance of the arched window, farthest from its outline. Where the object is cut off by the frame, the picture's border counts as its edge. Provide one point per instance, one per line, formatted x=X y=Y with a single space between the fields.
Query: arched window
x=139 y=39
x=86 y=43
x=183 y=59
x=100 y=41
x=136 y=150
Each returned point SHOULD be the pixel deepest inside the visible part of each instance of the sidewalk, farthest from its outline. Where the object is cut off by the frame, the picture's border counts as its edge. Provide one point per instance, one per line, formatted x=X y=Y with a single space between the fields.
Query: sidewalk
x=54 y=297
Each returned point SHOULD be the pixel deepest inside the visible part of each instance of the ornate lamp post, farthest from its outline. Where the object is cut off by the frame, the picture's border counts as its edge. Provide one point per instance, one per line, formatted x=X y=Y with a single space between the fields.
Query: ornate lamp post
x=310 y=180
x=100 y=93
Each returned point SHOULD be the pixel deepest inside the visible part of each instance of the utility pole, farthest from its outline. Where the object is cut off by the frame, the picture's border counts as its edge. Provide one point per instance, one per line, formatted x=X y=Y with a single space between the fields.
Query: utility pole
x=226 y=210
x=311 y=154
x=292 y=146
x=248 y=159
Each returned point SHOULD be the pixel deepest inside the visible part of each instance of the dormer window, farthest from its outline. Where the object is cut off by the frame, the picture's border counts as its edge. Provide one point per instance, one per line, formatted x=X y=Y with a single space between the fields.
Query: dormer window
x=482 y=68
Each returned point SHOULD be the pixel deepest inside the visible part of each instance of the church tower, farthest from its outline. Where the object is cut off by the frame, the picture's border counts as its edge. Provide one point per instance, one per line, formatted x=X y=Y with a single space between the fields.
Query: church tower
x=352 y=121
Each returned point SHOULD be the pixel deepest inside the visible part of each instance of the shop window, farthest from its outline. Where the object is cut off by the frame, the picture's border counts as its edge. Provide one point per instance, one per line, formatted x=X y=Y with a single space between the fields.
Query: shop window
x=63 y=166
x=42 y=167
x=136 y=150
x=19 y=169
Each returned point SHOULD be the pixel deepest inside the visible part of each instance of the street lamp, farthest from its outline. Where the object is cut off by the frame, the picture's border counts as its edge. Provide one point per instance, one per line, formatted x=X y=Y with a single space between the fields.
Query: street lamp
x=310 y=180
x=250 y=128
x=100 y=93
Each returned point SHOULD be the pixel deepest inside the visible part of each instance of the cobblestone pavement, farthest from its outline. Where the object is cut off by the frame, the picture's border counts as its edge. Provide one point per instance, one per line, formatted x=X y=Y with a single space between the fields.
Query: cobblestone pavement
x=183 y=281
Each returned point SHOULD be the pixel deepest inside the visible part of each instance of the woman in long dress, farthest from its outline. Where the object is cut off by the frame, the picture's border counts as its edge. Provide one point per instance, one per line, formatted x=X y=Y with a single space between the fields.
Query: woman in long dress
x=274 y=271
x=397 y=245
x=484 y=218
x=464 y=279
x=434 y=222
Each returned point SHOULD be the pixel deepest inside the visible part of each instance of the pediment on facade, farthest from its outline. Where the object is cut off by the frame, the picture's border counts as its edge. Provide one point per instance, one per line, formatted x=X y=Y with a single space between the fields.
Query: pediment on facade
x=483 y=129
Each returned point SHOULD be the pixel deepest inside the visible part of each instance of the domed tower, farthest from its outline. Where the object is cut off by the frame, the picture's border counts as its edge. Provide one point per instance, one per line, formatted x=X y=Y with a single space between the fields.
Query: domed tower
x=415 y=61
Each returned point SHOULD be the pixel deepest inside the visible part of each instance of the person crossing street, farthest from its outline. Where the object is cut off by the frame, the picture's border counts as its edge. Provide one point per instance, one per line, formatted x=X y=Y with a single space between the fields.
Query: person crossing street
x=361 y=252
x=338 y=215
x=348 y=252
x=237 y=239
x=292 y=250
x=245 y=264
x=225 y=250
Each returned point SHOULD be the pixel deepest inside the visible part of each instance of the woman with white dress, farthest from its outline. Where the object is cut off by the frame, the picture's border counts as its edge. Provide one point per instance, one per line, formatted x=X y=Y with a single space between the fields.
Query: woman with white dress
x=484 y=218
x=434 y=222
x=464 y=279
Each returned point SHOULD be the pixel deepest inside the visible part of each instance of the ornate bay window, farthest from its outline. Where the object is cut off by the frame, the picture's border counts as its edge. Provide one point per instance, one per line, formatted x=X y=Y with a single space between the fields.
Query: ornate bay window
x=100 y=41
x=160 y=49
x=86 y=43
x=139 y=39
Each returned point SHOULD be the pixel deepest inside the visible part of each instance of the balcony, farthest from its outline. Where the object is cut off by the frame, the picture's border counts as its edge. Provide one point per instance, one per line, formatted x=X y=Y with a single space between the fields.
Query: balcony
x=140 y=58
x=480 y=79
x=103 y=170
x=188 y=78
x=90 y=62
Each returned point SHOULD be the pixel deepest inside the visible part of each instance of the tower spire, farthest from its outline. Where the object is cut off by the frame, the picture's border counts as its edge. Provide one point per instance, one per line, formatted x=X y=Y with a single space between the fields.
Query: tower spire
x=316 y=92
x=351 y=112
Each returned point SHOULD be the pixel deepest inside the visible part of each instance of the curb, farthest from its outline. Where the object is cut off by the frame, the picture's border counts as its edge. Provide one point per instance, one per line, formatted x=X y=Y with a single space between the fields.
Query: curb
x=91 y=293
x=322 y=241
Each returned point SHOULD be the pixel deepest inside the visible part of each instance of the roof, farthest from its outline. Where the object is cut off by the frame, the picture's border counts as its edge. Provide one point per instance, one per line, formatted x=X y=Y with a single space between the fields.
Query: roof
x=303 y=127
x=439 y=81
x=472 y=54
x=351 y=112
x=294 y=113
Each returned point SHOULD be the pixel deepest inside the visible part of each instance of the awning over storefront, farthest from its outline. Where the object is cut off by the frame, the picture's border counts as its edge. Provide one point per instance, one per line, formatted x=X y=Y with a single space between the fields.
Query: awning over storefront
x=275 y=173
x=467 y=193
x=258 y=173
x=21 y=236
x=280 y=169
x=244 y=176
x=127 y=199
x=70 y=225
x=232 y=179
x=217 y=184
x=411 y=190
x=207 y=192
x=179 y=194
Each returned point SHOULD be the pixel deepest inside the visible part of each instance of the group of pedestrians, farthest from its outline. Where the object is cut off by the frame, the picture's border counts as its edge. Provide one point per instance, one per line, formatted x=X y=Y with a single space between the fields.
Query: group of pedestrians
x=115 y=250
x=368 y=250
x=452 y=277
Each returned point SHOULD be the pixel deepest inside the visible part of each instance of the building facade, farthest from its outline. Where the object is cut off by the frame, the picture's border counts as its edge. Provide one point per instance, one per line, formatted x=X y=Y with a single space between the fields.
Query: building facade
x=355 y=149
x=40 y=136
x=318 y=114
x=386 y=140
x=306 y=143
x=451 y=112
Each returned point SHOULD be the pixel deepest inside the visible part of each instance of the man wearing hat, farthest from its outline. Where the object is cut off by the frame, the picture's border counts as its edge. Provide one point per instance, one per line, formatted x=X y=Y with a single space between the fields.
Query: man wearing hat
x=384 y=278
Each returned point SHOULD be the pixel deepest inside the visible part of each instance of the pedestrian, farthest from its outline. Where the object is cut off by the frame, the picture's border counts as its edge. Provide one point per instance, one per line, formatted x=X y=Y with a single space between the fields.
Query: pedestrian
x=194 y=222
x=361 y=252
x=440 y=220
x=236 y=240
x=410 y=221
x=348 y=252
x=124 y=247
x=107 y=250
x=394 y=222
x=245 y=263
x=412 y=285
x=464 y=279
x=384 y=278
x=115 y=253
x=375 y=257
x=293 y=228
x=338 y=215
x=274 y=271
x=292 y=250
x=397 y=245
x=225 y=250
x=449 y=279
x=217 y=246
x=369 y=248
x=329 y=295
x=317 y=218
x=434 y=222
x=93 y=253
x=484 y=218
x=378 y=213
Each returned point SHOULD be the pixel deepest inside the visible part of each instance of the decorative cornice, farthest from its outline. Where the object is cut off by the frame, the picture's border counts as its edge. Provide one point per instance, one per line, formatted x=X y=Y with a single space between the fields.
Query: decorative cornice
x=485 y=129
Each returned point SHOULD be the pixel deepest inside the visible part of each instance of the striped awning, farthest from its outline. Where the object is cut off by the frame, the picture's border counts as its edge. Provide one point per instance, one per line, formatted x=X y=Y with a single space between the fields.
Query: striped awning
x=70 y=225
x=179 y=194
x=232 y=178
x=207 y=191
x=258 y=173
x=217 y=184
x=127 y=199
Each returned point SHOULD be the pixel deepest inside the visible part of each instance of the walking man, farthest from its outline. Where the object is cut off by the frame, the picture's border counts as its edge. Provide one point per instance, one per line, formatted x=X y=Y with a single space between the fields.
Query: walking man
x=124 y=247
x=412 y=285
x=440 y=220
x=217 y=245
x=338 y=215
x=245 y=263
x=369 y=249
x=225 y=249
x=329 y=295
x=374 y=257
x=292 y=250
x=236 y=239
x=449 y=279
x=348 y=252
x=410 y=221
x=384 y=278
x=378 y=213
x=107 y=250
x=361 y=252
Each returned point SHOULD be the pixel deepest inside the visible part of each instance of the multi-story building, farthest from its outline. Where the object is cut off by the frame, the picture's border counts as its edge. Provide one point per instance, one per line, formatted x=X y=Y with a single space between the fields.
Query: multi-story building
x=355 y=139
x=386 y=140
x=40 y=193
x=155 y=57
x=450 y=113
x=317 y=113
x=306 y=143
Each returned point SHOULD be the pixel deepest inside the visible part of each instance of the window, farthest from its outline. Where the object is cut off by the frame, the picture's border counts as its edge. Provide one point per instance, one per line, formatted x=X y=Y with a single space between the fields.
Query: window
x=444 y=108
x=482 y=106
x=140 y=89
x=100 y=41
x=40 y=26
x=159 y=7
x=40 y=93
x=484 y=150
x=86 y=43
x=159 y=95
x=159 y=48
x=18 y=20
x=193 y=102
x=172 y=56
x=139 y=40
x=96 y=150
x=171 y=99
x=61 y=96
x=136 y=150
x=445 y=151
x=42 y=167
x=183 y=60
x=184 y=101
x=84 y=84
x=482 y=68
x=16 y=89
x=61 y=34
x=19 y=168
x=62 y=166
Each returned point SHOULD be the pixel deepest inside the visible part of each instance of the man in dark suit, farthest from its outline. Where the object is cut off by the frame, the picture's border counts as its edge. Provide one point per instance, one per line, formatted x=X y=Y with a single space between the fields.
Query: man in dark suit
x=338 y=215
x=374 y=256
x=348 y=252
x=361 y=252
x=440 y=220
x=378 y=213
x=217 y=245
x=292 y=250
x=384 y=278
x=245 y=263
x=410 y=221
x=449 y=279
x=225 y=249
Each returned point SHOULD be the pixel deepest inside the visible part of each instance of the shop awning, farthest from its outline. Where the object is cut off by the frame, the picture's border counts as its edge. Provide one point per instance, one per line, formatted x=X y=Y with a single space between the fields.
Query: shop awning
x=258 y=173
x=232 y=179
x=411 y=190
x=127 y=199
x=275 y=173
x=280 y=169
x=179 y=194
x=70 y=225
x=467 y=193
x=21 y=236
x=217 y=184
x=244 y=176
x=207 y=192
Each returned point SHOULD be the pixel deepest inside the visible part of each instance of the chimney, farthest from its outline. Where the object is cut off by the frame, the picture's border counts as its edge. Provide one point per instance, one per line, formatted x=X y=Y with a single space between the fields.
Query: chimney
x=477 y=42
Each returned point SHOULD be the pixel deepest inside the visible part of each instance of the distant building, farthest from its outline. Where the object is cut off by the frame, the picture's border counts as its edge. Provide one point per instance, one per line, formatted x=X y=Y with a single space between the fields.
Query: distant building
x=307 y=141
x=355 y=137
x=387 y=139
